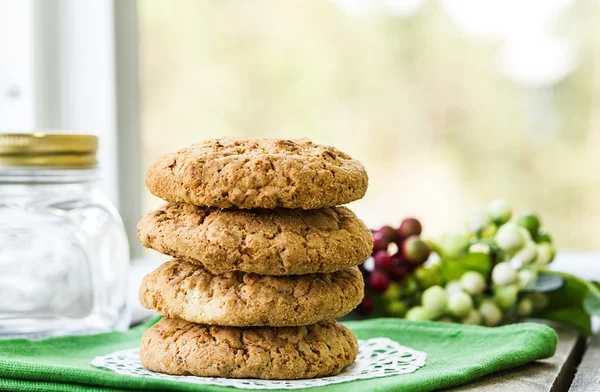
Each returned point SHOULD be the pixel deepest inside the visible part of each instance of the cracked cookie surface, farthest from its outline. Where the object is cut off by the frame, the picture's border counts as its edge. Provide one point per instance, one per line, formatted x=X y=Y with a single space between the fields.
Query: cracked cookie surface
x=268 y=242
x=178 y=347
x=258 y=173
x=178 y=289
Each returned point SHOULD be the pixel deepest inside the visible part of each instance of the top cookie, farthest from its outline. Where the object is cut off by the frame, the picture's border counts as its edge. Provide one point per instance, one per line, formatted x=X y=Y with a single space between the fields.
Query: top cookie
x=258 y=173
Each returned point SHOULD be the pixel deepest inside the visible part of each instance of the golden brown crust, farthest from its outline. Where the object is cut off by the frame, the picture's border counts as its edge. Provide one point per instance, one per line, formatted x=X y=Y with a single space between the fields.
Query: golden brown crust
x=258 y=173
x=180 y=289
x=177 y=347
x=267 y=242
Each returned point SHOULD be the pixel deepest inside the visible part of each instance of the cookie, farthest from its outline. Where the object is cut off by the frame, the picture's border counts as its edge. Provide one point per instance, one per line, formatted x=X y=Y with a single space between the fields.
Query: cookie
x=178 y=289
x=258 y=173
x=177 y=347
x=267 y=242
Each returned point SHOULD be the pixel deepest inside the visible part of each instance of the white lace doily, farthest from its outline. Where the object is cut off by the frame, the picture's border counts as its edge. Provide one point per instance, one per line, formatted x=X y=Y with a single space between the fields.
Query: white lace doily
x=377 y=357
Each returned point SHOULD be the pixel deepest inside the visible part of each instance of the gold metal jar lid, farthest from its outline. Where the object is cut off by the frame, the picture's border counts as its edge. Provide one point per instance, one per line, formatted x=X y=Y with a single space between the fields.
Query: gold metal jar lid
x=48 y=149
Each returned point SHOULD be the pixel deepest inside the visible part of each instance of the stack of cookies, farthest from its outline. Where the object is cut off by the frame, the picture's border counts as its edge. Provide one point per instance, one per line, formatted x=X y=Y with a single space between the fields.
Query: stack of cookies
x=263 y=262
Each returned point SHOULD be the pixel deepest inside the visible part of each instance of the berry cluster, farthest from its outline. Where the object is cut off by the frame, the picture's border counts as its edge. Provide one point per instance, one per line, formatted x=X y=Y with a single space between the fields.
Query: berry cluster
x=396 y=255
x=471 y=300
x=398 y=284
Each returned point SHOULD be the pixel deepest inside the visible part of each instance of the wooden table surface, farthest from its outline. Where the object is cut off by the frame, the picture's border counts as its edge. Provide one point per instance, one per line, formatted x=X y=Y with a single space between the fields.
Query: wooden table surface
x=575 y=367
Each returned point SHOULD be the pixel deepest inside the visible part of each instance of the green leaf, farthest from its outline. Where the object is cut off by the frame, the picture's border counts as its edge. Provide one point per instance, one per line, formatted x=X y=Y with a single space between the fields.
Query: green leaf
x=547 y=282
x=591 y=301
x=566 y=305
x=573 y=316
x=454 y=269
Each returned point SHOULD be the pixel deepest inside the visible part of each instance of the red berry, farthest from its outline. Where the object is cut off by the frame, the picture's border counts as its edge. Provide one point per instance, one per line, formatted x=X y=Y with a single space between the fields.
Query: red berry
x=388 y=233
x=398 y=256
x=415 y=250
x=379 y=242
x=408 y=227
x=366 y=306
x=379 y=282
x=399 y=271
x=382 y=260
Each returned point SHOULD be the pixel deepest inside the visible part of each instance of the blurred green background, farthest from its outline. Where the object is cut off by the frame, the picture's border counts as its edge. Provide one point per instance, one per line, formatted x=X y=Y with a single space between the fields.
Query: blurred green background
x=449 y=104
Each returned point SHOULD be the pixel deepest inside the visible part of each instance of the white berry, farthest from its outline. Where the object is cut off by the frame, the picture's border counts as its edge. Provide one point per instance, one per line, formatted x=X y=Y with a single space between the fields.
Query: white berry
x=419 y=313
x=435 y=299
x=525 y=307
x=491 y=313
x=545 y=254
x=506 y=296
x=526 y=279
x=528 y=254
x=473 y=318
x=500 y=211
x=472 y=282
x=453 y=287
x=479 y=247
x=460 y=304
x=525 y=233
x=504 y=274
x=510 y=238
x=540 y=301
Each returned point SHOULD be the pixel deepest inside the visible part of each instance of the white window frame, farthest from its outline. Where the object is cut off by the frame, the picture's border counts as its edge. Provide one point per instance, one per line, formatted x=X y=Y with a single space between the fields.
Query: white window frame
x=73 y=65
x=127 y=127
x=16 y=65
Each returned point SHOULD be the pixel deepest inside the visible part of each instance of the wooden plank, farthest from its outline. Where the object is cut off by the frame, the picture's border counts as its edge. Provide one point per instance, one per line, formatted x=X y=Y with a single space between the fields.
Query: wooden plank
x=587 y=378
x=549 y=375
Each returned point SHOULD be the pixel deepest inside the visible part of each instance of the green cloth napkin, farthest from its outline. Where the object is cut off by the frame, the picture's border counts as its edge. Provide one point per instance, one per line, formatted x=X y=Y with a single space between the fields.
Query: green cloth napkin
x=456 y=354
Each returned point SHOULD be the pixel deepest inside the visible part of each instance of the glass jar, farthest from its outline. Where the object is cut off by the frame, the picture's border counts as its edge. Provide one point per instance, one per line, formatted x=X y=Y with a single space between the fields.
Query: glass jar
x=64 y=254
